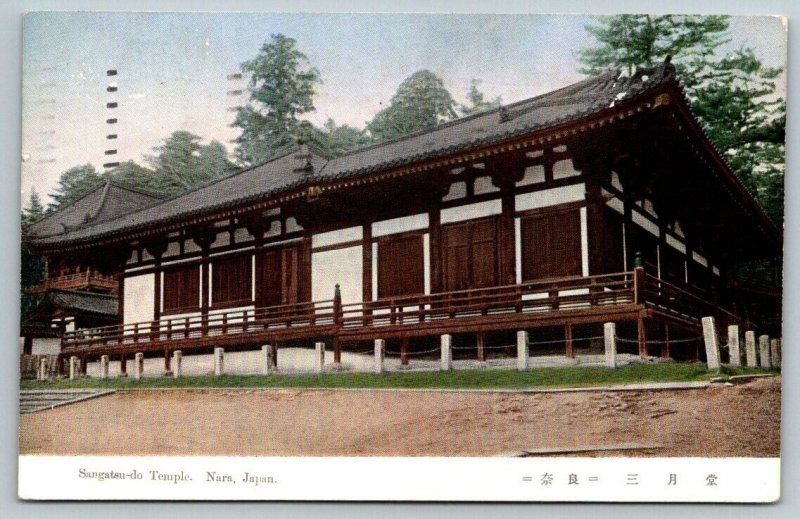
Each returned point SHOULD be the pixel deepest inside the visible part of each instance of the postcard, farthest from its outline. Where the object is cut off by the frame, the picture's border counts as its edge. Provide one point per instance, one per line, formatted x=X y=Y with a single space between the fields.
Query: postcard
x=401 y=257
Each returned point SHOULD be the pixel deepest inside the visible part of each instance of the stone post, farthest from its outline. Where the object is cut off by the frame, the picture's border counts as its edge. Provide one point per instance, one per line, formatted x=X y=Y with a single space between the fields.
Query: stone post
x=219 y=361
x=763 y=351
x=380 y=355
x=43 y=366
x=73 y=367
x=104 y=366
x=138 y=366
x=267 y=362
x=446 y=341
x=733 y=346
x=319 y=357
x=610 y=343
x=750 y=349
x=712 y=344
x=177 y=364
x=773 y=353
x=522 y=351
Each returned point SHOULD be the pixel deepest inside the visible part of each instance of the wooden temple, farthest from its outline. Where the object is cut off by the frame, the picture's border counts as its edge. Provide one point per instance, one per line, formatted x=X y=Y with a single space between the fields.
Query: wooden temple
x=600 y=202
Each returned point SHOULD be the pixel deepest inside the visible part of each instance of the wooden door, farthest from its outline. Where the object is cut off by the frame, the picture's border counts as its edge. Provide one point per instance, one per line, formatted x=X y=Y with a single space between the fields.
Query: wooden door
x=279 y=277
x=551 y=245
x=469 y=254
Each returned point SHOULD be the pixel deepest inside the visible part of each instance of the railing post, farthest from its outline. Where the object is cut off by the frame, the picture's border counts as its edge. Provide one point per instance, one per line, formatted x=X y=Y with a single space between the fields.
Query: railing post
x=712 y=345
x=522 y=350
x=763 y=347
x=610 y=344
x=638 y=285
x=380 y=355
x=404 y=356
x=481 y=344
x=337 y=321
x=446 y=352
x=751 y=356
x=733 y=346
x=569 y=346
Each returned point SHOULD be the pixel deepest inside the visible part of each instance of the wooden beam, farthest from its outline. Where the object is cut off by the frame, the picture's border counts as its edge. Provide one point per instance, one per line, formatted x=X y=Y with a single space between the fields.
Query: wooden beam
x=570 y=347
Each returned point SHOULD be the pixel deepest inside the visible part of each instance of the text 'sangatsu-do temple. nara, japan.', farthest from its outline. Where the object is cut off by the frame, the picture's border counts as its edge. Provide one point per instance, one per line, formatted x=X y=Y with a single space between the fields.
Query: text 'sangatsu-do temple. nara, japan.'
x=600 y=202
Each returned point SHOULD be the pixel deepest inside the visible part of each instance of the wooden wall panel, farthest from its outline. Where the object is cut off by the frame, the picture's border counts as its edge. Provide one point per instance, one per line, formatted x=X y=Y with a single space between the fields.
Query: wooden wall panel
x=181 y=288
x=401 y=266
x=551 y=245
x=469 y=254
x=231 y=280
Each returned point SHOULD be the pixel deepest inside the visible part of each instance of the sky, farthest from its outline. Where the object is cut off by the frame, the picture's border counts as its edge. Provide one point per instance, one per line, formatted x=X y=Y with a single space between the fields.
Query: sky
x=173 y=68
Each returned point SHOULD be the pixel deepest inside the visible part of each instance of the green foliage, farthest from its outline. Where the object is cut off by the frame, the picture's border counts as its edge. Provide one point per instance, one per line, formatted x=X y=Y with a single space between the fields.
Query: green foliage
x=74 y=184
x=420 y=104
x=183 y=163
x=281 y=87
x=732 y=94
x=31 y=266
x=477 y=101
x=573 y=376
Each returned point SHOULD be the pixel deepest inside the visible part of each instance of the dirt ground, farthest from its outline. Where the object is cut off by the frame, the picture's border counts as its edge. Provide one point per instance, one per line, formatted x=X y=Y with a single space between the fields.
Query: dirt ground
x=742 y=420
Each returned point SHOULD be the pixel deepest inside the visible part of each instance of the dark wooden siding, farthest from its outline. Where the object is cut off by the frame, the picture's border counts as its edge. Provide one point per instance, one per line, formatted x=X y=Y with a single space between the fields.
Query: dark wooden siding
x=645 y=243
x=231 y=281
x=469 y=254
x=283 y=276
x=673 y=265
x=182 y=289
x=551 y=245
x=401 y=266
x=613 y=243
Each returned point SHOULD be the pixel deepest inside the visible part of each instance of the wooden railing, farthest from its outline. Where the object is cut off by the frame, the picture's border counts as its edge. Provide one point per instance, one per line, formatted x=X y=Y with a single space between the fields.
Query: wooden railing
x=682 y=303
x=537 y=296
x=88 y=279
x=196 y=326
x=590 y=293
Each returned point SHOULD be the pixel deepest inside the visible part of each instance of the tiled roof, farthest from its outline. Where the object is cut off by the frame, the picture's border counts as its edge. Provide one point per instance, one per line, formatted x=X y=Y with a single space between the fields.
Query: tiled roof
x=281 y=173
x=104 y=203
x=83 y=302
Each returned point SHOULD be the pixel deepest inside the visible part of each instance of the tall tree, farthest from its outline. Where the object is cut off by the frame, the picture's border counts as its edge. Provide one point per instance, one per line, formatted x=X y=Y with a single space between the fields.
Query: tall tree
x=34 y=210
x=31 y=265
x=281 y=88
x=477 y=101
x=336 y=140
x=182 y=163
x=732 y=93
x=73 y=184
x=420 y=103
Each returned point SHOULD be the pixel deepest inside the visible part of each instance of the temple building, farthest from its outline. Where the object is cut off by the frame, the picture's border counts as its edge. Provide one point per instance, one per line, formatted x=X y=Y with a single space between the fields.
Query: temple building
x=599 y=202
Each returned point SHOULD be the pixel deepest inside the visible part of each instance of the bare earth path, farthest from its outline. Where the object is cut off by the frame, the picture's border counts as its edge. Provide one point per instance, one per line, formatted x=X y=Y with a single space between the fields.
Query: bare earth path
x=743 y=420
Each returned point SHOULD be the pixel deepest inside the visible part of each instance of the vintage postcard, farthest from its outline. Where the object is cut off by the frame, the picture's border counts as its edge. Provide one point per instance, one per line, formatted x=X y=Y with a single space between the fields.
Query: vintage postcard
x=401 y=257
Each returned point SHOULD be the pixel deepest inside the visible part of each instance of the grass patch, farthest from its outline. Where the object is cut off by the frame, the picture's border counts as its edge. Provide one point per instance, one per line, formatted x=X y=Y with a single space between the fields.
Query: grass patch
x=571 y=376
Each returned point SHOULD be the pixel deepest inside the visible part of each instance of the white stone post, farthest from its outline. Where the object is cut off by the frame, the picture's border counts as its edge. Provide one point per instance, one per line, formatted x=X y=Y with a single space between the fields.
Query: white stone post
x=522 y=351
x=446 y=342
x=712 y=344
x=380 y=355
x=750 y=349
x=73 y=367
x=177 y=364
x=763 y=350
x=43 y=365
x=320 y=356
x=138 y=366
x=610 y=343
x=104 y=366
x=733 y=346
x=219 y=361
x=773 y=353
x=267 y=364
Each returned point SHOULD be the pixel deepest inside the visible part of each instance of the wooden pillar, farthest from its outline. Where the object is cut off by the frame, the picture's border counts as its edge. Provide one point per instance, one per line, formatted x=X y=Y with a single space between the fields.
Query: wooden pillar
x=570 y=348
x=595 y=226
x=481 y=339
x=121 y=296
x=435 y=230
x=642 y=329
x=665 y=345
x=366 y=264
x=157 y=290
x=507 y=255
x=404 y=351
x=337 y=321
x=84 y=362
x=123 y=365
x=167 y=360
x=696 y=353
x=274 y=347
x=630 y=246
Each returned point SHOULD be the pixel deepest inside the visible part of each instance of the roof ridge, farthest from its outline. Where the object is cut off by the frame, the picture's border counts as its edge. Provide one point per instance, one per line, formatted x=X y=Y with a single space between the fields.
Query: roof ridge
x=65 y=207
